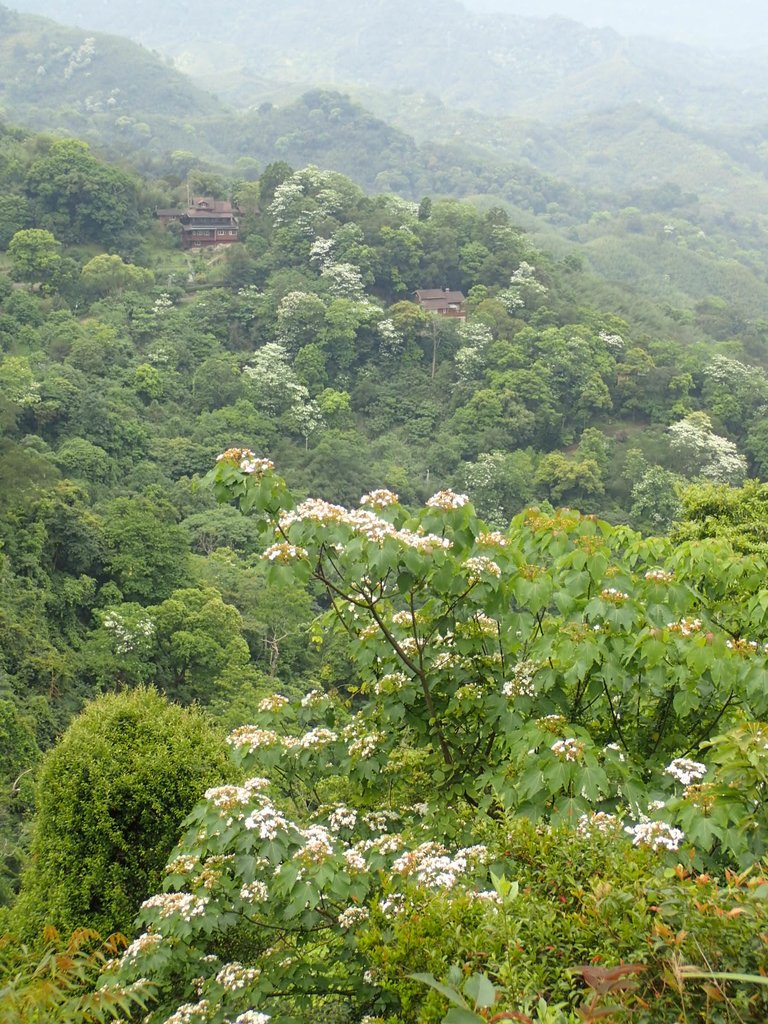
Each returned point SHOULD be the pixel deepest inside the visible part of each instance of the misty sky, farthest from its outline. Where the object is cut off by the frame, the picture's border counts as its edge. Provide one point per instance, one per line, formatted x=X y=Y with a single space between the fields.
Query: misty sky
x=741 y=23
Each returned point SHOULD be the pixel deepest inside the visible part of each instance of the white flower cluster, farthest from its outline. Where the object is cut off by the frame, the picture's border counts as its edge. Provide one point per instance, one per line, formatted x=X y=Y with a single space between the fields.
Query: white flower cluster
x=431 y=866
x=342 y=817
x=493 y=538
x=445 y=660
x=743 y=646
x=318 y=737
x=613 y=342
x=714 y=456
x=381 y=844
x=362 y=522
x=255 y=892
x=568 y=749
x=273 y=702
x=81 y=57
x=352 y=916
x=344 y=280
x=212 y=870
x=685 y=627
x=162 y=304
x=187 y=1013
x=234 y=976
x=313 y=699
x=267 y=821
x=247 y=461
x=656 y=834
x=597 y=823
x=380 y=498
x=365 y=746
x=392 y=905
x=521 y=684
x=318 y=845
x=284 y=552
x=403 y=619
x=354 y=859
x=391 y=341
x=489 y=896
x=185 y=904
x=128 y=637
x=447 y=500
x=613 y=595
x=141 y=946
x=379 y=821
x=480 y=623
x=659 y=576
x=256 y=467
x=252 y=1017
x=686 y=771
x=321 y=252
x=228 y=798
x=252 y=738
x=479 y=566
x=184 y=864
x=286 y=194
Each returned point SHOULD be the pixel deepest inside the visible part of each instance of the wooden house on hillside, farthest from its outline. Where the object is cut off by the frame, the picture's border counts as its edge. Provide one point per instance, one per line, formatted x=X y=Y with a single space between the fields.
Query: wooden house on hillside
x=442 y=301
x=206 y=221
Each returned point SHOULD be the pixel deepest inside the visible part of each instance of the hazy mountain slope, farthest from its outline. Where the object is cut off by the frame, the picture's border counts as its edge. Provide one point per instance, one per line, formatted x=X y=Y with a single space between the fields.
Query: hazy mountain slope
x=655 y=206
x=502 y=63
x=622 y=149
x=100 y=87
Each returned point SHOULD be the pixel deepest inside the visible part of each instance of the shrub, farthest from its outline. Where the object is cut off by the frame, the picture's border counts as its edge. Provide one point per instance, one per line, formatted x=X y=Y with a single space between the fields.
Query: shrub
x=111 y=799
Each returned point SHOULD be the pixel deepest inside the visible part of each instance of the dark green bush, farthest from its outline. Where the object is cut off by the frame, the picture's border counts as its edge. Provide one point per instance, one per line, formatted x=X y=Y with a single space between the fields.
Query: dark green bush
x=111 y=799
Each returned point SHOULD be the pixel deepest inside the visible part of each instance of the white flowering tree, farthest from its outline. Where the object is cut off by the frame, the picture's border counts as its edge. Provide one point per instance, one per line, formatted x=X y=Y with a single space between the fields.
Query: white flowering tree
x=523 y=288
x=564 y=670
x=300 y=318
x=276 y=388
x=707 y=454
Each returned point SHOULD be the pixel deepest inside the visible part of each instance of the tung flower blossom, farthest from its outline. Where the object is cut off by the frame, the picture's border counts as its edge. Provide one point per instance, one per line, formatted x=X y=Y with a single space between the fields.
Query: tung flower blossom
x=479 y=566
x=658 y=835
x=686 y=771
x=353 y=915
x=568 y=749
x=447 y=500
x=185 y=904
x=380 y=498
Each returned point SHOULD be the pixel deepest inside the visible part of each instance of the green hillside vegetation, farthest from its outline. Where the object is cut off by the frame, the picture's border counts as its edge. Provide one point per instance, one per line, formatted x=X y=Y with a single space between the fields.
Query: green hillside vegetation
x=97 y=87
x=429 y=687
x=498 y=63
x=668 y=208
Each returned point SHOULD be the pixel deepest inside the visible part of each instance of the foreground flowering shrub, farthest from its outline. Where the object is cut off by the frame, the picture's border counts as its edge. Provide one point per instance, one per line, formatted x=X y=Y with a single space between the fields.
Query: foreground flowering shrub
x=560 y=668
x=556 y=674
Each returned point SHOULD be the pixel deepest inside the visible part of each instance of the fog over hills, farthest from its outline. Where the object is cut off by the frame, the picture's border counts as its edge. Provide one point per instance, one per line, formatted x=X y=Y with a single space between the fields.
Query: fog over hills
x=741 y=23
x=511 y=64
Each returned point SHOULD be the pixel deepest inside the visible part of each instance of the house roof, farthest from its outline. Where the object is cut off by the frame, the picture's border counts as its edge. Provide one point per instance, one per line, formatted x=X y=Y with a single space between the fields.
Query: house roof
x=441 y=295
x=210 y=205
x=221 y=216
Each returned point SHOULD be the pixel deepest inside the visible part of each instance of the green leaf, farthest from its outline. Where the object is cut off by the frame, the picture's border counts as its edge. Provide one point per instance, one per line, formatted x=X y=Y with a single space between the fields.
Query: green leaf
x=481 y=990
x=455 y=1016
x=448 y=991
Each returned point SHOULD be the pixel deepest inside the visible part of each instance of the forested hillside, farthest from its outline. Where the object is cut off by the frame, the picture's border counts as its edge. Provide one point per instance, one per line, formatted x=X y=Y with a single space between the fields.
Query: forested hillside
x=494 y=62
x=477 y=601
x=661 y=207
